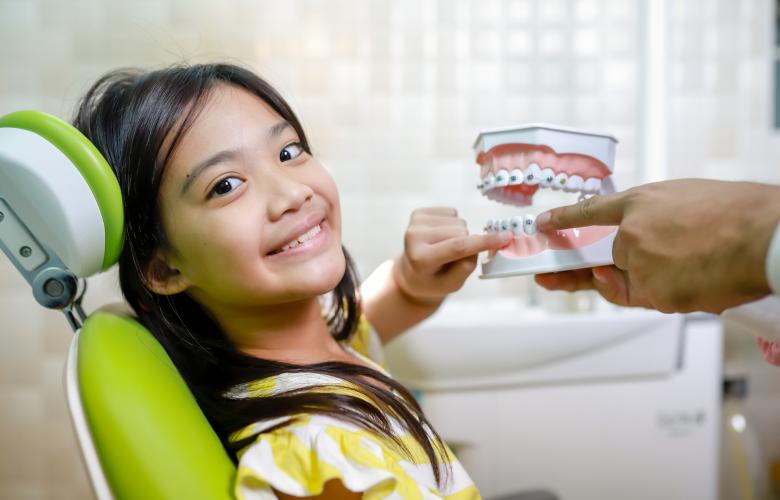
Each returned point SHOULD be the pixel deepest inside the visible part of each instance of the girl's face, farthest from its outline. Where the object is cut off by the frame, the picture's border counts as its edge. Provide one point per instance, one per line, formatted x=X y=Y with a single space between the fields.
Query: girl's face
x=251 y=218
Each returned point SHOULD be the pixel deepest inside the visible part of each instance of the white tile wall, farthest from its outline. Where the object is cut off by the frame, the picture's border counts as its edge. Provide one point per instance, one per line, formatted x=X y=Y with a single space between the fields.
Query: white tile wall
x=720 y=90
x=392 y=94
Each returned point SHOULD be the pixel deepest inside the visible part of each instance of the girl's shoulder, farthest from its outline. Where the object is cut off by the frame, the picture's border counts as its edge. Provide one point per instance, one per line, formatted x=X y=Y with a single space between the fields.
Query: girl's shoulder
x=298 y=454
x=367 y=343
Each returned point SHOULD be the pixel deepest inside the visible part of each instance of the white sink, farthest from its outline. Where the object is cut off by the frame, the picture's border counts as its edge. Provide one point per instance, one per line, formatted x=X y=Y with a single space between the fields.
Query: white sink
x=486 y=344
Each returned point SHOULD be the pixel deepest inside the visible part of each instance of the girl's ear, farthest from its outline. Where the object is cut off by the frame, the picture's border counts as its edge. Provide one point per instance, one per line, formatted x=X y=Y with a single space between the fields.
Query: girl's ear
x=163 y=279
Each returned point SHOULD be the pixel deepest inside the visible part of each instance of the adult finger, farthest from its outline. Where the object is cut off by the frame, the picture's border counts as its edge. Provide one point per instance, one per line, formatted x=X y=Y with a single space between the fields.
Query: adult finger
x=620 y=252
x=615 y=285
x=612 y=284
x=598 y=210
x=569 y=281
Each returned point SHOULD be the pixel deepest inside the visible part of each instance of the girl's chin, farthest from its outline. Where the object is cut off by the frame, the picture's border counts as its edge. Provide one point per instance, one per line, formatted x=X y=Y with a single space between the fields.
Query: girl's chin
x=319 y=277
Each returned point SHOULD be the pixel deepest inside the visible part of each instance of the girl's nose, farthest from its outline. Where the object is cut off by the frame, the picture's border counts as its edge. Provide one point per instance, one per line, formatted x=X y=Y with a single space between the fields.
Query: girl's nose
x=287 y=195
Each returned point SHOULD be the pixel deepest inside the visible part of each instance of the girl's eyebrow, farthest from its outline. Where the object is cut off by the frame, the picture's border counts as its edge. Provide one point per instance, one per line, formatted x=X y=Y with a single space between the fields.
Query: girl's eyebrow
x=226 y=155
x=277 y=129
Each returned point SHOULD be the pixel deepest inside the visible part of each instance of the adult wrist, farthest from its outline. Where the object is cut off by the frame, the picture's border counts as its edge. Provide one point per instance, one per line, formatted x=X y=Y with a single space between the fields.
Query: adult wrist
x=758 y=252
x=773 y=262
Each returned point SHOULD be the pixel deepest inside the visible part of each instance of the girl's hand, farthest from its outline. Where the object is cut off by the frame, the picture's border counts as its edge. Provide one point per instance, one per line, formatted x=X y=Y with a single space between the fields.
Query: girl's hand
x=439 y=254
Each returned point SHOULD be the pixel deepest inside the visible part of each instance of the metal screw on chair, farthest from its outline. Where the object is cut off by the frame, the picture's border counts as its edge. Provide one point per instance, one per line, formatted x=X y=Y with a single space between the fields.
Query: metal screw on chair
x=25 y=251
x=53 y=288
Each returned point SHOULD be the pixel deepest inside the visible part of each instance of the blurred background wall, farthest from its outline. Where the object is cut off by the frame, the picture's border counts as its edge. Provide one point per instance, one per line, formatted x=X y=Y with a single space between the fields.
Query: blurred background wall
x=392 y=95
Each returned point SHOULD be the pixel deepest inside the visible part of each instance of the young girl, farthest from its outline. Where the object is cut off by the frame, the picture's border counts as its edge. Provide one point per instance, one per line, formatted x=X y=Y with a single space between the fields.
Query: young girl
x=233 y=237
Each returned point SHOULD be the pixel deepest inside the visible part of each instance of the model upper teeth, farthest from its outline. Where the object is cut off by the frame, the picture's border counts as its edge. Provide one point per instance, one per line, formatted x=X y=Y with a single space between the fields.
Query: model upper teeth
x=535 y=175
x=311 y=233
x=488 y=181
x=560 y=181
x=502 y=178
x=592 y=186
x=574 y=183
x=548 y=176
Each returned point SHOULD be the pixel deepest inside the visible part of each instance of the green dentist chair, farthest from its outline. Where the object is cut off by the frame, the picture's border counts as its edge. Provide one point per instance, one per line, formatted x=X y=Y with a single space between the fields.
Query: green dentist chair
x=141 y=433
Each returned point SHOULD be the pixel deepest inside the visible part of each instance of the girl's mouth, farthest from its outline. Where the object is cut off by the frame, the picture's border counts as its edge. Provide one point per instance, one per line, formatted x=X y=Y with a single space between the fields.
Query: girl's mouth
x=312 y=238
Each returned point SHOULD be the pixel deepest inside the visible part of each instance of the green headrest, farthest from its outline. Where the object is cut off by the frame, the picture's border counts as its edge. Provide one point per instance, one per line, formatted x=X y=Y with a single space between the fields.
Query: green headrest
x=89 y=162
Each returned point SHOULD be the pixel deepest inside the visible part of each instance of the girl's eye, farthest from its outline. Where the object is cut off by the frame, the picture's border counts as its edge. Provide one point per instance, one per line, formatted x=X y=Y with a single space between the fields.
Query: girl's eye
x=225 y=186
x=291 y=151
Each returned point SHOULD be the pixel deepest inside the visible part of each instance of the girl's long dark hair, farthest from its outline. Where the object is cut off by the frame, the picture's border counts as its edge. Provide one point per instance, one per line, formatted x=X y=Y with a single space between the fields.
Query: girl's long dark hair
x=128 y=114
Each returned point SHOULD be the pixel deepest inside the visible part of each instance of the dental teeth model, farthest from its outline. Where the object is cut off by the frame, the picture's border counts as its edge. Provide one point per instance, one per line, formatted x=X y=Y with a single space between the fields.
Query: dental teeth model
x=515 y=163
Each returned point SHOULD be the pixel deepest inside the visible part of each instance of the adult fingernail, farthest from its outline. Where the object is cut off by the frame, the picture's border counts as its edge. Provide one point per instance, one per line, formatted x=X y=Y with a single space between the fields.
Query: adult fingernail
x=505 y=236
x=599 y=275
x=542 y=219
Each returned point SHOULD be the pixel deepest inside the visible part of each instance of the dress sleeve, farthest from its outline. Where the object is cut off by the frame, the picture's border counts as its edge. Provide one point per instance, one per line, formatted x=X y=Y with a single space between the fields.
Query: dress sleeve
x=773 y=262
x=300 y=458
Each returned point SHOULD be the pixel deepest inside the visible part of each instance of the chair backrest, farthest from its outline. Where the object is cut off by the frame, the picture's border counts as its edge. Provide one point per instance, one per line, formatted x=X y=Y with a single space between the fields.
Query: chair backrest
x=141 y=433
x=152 y=439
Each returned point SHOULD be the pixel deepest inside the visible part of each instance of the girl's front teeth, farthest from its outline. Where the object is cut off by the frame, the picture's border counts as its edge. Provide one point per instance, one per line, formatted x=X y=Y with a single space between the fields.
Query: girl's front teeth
x=311 y=233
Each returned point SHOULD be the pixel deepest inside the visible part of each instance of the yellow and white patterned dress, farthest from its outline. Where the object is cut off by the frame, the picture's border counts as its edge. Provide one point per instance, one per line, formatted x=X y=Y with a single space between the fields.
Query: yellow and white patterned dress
x=299 y=458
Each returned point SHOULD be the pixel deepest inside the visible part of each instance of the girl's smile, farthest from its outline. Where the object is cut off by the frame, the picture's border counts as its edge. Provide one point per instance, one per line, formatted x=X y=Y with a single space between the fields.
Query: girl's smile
x=313 y=240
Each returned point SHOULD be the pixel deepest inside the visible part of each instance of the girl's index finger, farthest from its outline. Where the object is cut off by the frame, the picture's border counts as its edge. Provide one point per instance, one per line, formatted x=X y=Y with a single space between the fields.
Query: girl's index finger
x=598 y=210
x=461 y=247
x=446 y=211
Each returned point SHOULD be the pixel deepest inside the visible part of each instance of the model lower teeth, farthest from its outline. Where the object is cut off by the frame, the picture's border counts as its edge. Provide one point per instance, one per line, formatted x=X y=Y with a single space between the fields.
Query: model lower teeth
x=525 y=225
x=311 y=233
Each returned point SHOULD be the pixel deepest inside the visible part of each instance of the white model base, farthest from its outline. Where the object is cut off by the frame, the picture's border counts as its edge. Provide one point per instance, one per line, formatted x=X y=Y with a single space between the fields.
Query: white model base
x=595 y=254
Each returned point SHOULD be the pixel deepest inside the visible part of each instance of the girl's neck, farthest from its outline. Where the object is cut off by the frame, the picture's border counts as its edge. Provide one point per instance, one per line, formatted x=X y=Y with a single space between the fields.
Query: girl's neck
x=293 y=332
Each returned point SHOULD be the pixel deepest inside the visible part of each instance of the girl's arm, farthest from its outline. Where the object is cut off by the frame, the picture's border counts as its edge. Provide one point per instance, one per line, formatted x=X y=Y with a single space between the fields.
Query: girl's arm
x=438 y=256
x=390 y=310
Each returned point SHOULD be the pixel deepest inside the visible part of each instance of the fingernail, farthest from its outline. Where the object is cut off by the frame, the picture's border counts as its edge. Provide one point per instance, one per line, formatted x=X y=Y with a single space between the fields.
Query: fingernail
x=597 y=273
x=542 y=219
x=505 y=236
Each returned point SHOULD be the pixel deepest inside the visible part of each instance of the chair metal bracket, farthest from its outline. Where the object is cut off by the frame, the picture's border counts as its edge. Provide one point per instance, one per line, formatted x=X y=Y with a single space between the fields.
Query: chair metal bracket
x=54 y=286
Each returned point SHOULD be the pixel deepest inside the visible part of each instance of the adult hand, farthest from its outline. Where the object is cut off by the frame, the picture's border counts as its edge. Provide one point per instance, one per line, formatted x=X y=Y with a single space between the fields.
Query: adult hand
x=439 y=254
x=682 y=245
